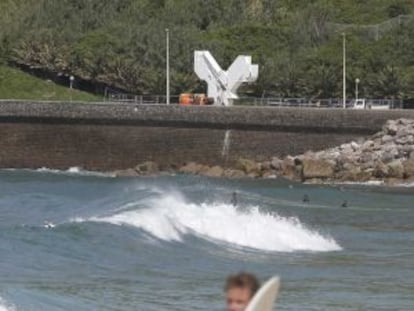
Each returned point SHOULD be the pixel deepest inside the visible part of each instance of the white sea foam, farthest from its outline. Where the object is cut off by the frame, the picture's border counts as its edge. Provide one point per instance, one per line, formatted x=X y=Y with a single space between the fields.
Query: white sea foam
x=170 y=218
x=74 y=171
x=378 y=183
x=407 y=185
x=4 y=306
x=363 y=183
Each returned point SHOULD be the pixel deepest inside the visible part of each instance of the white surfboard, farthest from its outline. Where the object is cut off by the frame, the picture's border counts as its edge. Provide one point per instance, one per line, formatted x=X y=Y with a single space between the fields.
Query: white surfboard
x=265 y=297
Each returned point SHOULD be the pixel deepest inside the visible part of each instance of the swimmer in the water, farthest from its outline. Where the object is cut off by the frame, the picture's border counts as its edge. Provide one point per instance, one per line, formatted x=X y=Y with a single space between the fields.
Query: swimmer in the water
x=48 y=224
x=234 y=199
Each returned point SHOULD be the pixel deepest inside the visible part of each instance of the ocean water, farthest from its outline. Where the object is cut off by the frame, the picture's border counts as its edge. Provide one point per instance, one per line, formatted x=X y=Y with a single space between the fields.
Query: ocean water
x=169 y=242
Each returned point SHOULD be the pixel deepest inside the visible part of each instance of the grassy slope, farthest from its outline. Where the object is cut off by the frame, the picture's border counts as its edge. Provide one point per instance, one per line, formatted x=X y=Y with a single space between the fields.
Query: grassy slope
x=15 y=84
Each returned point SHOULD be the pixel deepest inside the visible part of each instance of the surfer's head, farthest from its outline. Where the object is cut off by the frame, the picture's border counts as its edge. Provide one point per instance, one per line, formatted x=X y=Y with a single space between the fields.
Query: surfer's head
x=240 y=288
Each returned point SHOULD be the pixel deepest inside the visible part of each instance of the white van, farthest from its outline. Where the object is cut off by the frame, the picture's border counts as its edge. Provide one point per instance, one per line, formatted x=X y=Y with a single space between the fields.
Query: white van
x=363 y=104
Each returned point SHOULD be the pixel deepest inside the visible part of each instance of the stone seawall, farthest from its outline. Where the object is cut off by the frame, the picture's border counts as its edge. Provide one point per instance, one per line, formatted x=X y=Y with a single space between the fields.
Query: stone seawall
x=109 y=136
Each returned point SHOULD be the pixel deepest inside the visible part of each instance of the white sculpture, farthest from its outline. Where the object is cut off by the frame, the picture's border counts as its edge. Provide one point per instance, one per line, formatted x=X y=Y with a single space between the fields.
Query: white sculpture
x=222 y=85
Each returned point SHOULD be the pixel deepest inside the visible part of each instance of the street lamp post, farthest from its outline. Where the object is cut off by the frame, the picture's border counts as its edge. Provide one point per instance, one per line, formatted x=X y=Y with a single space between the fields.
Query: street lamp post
x=356 y=88
x=344 y=70
x=71 y=79
x=167 y=56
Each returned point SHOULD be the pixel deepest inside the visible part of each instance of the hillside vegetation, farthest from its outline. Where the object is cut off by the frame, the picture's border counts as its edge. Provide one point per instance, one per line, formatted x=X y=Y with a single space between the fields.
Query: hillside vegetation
x=297 y=43
x=15 y=84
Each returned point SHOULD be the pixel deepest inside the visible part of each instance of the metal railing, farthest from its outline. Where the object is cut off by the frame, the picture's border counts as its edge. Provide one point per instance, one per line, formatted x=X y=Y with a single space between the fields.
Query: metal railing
x=259 y=101
x=245 y=101
x=140 y=99
x=316 y=103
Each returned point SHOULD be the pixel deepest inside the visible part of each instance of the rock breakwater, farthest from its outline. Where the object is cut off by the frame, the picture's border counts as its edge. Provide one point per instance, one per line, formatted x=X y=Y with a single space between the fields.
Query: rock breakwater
x=387 y=156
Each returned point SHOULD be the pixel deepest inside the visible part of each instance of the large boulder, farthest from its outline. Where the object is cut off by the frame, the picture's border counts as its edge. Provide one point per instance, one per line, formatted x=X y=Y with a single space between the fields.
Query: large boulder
x=377 y=144
x=389 y=152
x=232 y=173
x=248 y=166
x=406 y=122
x=147 y=168
x=344 y=161
x=191 y=168
x=215 y=171
x=404 y=131
x=330 y=155
x=355 y=174
x=395 y=169
x=405 y=140
x=367 y=157
x=380 y=170
x=130 y=172
x=276 y=164
x=346 y=149
x=408 y=168
x=355 y=146
x=391 y=127
x=386 y=139
x=407 y=150
x=289 y=169
x=265 y=166
x=368 y=145
x=316 y=168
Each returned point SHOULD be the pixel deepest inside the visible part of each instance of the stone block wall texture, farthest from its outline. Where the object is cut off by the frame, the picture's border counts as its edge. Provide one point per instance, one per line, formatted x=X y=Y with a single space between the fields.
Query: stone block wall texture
x=109 y=136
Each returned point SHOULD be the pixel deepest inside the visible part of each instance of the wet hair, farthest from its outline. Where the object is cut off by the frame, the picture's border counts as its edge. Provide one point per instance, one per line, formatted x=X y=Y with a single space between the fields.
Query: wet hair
x=243 y=280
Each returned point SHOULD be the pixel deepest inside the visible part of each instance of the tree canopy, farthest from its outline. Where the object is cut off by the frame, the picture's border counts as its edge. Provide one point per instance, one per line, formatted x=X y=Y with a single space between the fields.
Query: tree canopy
x=297 y=44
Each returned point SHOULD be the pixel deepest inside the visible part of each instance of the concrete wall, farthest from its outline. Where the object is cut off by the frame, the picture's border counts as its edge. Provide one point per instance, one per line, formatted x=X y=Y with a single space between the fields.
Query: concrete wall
x=111 y=136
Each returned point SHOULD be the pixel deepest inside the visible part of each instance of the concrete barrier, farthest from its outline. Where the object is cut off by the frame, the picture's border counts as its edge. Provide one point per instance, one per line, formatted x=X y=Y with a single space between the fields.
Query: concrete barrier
x=108 y=136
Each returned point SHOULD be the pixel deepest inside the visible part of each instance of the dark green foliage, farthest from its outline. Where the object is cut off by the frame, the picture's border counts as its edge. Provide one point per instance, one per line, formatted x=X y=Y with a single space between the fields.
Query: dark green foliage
x=398 y=8
x=297 y=44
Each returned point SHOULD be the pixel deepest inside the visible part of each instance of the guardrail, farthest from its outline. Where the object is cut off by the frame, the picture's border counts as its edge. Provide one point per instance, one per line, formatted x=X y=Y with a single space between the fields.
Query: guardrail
x=246 y=101
x=317 y=103
x=262 y=101
x=141 y=99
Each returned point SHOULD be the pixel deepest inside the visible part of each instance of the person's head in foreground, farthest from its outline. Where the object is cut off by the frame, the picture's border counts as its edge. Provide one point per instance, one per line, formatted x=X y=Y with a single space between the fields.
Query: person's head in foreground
x=240 y=288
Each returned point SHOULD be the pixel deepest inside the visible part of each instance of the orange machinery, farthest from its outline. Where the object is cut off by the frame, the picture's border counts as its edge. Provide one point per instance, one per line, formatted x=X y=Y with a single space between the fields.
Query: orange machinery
x=188 y=99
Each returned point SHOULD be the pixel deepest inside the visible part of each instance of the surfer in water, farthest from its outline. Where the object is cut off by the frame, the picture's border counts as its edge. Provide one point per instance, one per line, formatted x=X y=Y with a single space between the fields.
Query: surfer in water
x=239 y=289
x=234 y=199
x=48 y=224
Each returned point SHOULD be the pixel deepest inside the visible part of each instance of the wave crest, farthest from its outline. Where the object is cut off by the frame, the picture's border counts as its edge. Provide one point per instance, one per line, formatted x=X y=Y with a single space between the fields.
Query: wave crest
x=170 y=218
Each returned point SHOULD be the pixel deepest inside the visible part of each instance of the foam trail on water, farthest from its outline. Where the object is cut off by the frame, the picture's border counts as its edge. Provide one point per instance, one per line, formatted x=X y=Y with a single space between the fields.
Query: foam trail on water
x=170 y=218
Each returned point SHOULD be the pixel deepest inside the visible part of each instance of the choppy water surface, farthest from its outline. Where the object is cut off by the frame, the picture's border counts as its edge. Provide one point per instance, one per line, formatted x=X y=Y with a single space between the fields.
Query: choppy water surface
x=167 y=243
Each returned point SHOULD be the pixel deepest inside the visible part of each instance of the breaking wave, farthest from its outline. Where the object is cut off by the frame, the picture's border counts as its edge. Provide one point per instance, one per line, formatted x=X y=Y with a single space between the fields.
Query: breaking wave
x=170 y=218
